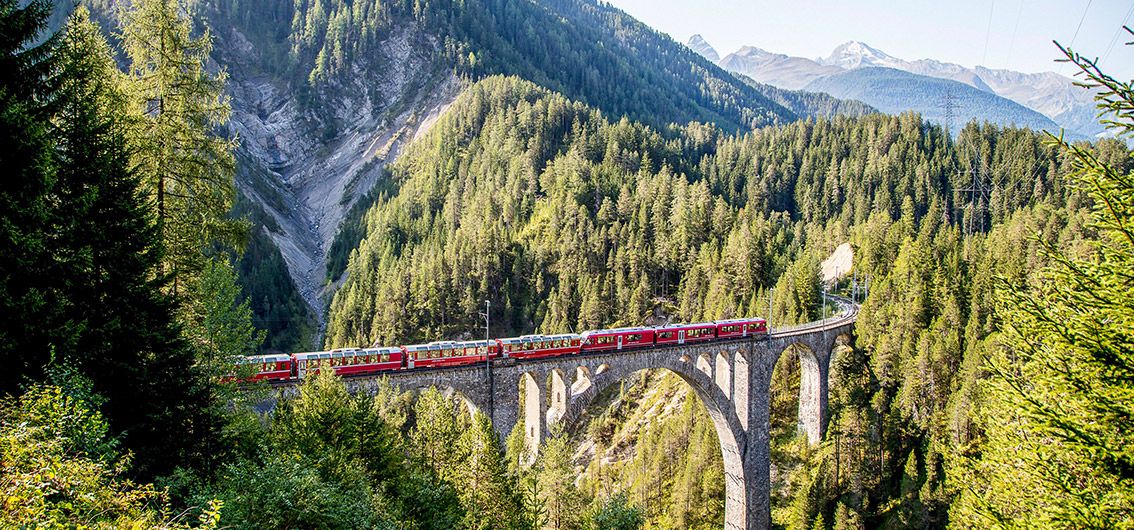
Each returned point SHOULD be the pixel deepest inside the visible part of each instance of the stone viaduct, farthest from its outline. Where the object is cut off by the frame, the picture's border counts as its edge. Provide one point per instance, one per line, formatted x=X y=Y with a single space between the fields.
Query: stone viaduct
x=732 y=379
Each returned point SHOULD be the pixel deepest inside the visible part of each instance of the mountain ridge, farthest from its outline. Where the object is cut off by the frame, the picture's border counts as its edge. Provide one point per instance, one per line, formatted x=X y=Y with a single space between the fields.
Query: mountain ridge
x=1048 y=93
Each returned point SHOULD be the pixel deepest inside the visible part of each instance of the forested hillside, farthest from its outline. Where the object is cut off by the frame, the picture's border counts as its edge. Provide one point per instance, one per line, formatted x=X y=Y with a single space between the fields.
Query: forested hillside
x=989 y=384
x=587 y=51
x=570 y=221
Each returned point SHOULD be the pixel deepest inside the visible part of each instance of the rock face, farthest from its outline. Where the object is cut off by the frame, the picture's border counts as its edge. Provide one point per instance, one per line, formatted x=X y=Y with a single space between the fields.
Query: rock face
x=306 y=170
x=838 y=264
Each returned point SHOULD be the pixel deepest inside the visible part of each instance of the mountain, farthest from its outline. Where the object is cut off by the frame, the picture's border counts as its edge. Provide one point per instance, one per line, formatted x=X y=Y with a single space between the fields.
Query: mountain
x=698 y=44
x=811 y=104
x=895 y=91
x=792 y=73
x=784 y=91
x=855 y=54
x=326 y=93
x=1053 y=95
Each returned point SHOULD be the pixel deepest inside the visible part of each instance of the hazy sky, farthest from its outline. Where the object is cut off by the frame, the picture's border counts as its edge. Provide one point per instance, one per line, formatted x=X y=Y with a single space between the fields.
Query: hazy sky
x=955 y=31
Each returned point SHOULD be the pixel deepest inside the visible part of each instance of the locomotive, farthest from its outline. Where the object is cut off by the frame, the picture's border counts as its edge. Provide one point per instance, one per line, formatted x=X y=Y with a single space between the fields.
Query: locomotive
x=361 y=361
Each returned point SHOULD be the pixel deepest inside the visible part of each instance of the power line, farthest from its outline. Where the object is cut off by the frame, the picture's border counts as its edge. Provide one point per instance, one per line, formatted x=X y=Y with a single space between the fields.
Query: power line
x=1080 y=26
x=1015 y=31
x=988 y=31
x=1117 y=33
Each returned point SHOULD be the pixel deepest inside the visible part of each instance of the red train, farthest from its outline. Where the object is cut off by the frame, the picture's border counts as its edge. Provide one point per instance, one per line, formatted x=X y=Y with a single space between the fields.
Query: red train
x=352 y=361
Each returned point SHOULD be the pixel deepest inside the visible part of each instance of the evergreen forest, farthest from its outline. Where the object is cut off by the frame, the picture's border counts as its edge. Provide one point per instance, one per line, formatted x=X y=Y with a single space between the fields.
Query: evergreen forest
x=990 y=382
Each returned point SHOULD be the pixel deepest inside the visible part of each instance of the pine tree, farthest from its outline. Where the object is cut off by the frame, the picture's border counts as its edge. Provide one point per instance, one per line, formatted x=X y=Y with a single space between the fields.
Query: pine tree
x=219 y=325
x=109 y=252
x=437 y=426
x=1060 y=449
x=29 y=309
x=488 y=493
x=561 y=499
x=179 y=107
x=616 y=513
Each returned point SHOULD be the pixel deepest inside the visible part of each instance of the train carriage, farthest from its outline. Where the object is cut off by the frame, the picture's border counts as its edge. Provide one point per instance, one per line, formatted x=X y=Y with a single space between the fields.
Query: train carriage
x=450 y=353
x=617 y=339
x=369 y=360
x=536 y=346
x=268 y=367
x=309 y=363
x=741 y=328
x=684 y=333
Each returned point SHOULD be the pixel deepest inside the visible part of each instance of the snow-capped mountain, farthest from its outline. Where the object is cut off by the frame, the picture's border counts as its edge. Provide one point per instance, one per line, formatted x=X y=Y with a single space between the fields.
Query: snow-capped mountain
x=1053 y=95
x=699 y=45
x=792 y=73
x=855 y=54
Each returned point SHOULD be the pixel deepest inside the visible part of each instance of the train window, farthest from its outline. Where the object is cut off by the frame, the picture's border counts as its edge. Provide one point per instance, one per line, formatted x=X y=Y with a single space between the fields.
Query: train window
x=634 y=337
x=665 y=335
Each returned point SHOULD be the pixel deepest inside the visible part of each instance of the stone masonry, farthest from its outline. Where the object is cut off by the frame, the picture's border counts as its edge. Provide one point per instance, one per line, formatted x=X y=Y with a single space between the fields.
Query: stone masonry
x=731 y=378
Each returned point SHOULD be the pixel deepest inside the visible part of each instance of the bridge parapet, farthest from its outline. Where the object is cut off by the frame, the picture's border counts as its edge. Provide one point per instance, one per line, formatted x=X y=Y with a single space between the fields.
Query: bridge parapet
x=731 y=378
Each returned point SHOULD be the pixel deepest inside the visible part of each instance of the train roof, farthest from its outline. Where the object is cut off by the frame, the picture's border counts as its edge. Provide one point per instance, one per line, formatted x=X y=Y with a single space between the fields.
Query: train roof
x=534 y=338
x=458 y=343
x=317 y=355
x=270 y=358
x=739 y=320
x=615 y=330
x=686 y=325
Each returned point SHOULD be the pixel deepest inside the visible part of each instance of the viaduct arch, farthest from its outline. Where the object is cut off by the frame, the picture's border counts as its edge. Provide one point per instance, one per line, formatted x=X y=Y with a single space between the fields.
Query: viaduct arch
x=732 y=379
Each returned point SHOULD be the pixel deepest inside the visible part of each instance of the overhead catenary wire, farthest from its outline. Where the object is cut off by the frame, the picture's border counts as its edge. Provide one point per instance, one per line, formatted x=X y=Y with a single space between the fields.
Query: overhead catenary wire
x=1015 y=31
x=1118 y=33
x=1080 y=26
x=988 y=31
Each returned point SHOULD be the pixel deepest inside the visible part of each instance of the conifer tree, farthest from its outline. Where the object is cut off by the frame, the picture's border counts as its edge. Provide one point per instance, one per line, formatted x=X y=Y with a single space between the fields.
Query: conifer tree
x=108 y=252
x=487 y=491
x=562 y=501
x=28 y=307
x=180 y=107
x=219 y=327
x=1060 y=449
